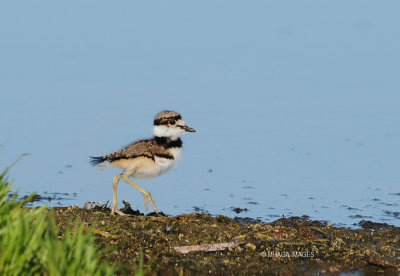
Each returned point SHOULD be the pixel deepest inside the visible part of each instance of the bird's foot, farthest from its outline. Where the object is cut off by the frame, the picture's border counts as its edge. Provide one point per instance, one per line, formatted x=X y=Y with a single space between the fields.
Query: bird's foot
x=118 y=212
x=147 y=196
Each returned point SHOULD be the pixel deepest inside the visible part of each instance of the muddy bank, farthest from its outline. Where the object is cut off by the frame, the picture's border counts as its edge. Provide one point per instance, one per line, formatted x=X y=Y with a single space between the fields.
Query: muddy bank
x=198 y=244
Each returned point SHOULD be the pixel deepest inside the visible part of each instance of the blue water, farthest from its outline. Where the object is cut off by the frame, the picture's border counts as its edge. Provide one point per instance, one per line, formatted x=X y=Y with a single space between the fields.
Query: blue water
x=296 y=103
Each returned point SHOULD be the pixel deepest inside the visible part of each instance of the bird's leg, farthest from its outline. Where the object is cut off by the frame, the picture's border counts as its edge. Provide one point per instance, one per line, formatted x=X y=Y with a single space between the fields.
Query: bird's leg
x=146 y=194
x=114 y=205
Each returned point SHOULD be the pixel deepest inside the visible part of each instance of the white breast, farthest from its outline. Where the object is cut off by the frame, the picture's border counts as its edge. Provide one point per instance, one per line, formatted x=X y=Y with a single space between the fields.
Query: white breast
x=176 y=153
x=165 y=164
x=161 y=165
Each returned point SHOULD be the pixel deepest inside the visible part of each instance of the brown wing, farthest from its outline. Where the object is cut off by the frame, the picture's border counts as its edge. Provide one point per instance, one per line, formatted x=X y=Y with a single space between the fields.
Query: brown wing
x=148 y=148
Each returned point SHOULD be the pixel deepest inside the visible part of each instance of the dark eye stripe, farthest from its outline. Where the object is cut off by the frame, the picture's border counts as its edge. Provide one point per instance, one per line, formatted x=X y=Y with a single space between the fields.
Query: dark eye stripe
x=164 y=121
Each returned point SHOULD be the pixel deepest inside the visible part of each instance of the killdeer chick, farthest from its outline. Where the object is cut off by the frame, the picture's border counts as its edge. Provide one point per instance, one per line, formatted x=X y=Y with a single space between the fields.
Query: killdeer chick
x=147 y=158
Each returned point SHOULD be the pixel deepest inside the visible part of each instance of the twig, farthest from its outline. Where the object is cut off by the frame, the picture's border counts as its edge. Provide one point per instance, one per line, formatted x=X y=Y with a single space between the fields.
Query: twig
x=105 y=205
x=207 y=247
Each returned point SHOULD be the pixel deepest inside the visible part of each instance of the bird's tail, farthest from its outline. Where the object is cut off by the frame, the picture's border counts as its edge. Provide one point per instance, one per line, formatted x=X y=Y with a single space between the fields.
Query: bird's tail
x=96 y=160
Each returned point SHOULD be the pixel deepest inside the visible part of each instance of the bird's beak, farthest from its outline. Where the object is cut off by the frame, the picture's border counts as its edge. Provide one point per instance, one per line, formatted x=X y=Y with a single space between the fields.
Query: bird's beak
x=189 y=129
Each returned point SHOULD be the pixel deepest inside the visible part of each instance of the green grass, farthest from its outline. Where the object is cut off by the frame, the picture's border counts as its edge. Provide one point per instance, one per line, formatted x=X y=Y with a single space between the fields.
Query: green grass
x=139 y=266
x=29 y=243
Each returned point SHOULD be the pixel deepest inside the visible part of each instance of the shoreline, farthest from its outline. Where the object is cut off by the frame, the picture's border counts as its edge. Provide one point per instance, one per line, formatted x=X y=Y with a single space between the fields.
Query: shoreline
x=200 y=244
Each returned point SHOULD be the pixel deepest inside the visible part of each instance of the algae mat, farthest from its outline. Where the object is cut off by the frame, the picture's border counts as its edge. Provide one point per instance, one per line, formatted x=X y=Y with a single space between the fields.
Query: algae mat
x=199 y=244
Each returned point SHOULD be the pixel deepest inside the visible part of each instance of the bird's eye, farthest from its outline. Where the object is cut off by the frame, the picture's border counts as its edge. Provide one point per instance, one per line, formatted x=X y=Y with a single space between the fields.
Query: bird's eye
x=172 y=122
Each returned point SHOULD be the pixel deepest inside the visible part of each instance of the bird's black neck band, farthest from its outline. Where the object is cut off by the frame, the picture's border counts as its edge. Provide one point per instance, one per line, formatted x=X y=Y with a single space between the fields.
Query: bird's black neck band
x=168 y=142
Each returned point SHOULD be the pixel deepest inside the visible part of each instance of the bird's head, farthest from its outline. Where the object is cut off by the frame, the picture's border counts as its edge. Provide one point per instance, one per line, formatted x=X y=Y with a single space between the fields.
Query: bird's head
x=170 y=124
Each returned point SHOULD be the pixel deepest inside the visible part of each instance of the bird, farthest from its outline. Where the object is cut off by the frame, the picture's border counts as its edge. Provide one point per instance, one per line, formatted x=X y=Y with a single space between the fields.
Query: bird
x=147 y=158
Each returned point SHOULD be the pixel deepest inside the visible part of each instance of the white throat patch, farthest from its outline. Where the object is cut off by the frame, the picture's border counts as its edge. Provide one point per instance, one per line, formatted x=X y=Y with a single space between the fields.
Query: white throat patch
x=164 y=131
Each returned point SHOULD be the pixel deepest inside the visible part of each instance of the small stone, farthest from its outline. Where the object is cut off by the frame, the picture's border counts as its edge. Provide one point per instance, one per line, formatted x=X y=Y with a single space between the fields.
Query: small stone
x=250 y=246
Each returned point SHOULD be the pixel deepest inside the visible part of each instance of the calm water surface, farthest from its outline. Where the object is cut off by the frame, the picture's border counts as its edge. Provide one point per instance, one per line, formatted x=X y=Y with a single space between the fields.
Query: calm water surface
x=296 y=105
